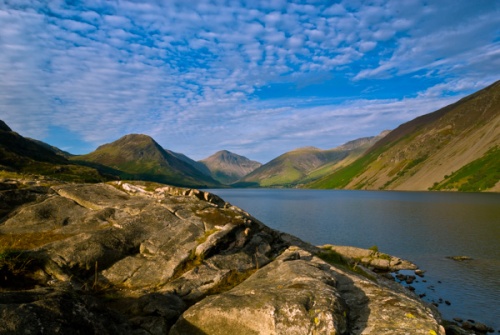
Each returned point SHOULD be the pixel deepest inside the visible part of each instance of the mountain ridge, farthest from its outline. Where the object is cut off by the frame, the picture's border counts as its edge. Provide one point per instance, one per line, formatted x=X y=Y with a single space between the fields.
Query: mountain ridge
x=140 y=157
x=22 y=155
x=304 y=164
x=228 y=167
x=422 y=154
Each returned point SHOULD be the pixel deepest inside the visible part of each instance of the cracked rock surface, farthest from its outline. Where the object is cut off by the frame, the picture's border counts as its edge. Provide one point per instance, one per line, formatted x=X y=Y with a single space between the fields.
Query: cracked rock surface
x=144 y=258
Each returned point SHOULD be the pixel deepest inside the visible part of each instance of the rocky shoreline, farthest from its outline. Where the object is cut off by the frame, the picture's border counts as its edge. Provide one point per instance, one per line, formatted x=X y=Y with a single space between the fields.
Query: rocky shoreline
x=145 y=258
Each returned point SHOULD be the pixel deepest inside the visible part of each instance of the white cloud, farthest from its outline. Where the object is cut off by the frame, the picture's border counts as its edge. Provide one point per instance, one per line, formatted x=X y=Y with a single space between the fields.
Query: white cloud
x=184 y=71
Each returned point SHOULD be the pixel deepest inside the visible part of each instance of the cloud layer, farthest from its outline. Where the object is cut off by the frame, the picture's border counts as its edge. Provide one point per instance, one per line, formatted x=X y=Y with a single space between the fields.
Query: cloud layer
x=255 y=77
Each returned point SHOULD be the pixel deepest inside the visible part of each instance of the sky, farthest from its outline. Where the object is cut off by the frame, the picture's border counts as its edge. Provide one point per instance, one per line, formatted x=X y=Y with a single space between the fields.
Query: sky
x=255 y=77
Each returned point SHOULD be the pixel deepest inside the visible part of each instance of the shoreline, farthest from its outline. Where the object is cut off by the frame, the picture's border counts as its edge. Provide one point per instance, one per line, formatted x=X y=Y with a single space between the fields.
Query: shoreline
x=406 y=273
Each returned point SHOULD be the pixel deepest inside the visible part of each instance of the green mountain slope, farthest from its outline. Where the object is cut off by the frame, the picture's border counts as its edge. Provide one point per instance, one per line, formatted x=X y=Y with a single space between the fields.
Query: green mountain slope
x=426 y=152
x=25 y=156
x=305 y=164
x=197 y=165
x=140 y=157
x=55 y=150
x=227 y=167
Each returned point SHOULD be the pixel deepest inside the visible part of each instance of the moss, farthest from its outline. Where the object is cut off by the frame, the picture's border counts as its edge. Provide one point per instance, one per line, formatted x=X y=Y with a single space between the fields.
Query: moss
x=27 y=241
x=384 y=256
x=334 y=258
x=205 y=236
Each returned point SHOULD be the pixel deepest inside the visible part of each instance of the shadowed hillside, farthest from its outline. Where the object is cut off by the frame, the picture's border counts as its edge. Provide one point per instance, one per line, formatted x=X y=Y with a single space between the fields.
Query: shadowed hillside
x=20 y=155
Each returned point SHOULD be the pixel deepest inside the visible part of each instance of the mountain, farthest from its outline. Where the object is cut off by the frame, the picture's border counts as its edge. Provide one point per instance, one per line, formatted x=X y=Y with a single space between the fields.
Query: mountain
x=140 y=157
x=227 y=167
x=55 y=150
x=198 y=165
x=306 y=164
x=21 y=155
x=454 y=148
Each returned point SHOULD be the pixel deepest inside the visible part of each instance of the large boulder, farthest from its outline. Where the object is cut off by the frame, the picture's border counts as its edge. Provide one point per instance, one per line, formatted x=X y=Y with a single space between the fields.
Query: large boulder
x=295 y=294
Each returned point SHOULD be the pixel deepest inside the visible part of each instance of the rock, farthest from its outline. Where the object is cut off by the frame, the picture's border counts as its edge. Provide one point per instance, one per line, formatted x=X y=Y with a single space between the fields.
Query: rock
x=292 y=297
x=410 y=279
x=304 y=295
x=54 y=311
x=481 y=327
x=467 y=325
x=460 y=258
x=120 y=258
x=370 y=258
x=419 y=272
x=456 y=330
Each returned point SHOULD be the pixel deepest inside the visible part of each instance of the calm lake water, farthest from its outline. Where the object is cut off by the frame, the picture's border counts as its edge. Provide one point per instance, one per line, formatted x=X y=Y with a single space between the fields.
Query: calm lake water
x=424 y=227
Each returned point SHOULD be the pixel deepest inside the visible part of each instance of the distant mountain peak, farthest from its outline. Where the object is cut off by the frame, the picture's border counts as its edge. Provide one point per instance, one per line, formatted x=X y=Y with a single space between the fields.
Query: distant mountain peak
x=228 y=167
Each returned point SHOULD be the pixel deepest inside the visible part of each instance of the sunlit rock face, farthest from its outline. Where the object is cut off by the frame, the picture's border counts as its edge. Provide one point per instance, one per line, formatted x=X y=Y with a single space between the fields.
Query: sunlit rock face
x=146 y=258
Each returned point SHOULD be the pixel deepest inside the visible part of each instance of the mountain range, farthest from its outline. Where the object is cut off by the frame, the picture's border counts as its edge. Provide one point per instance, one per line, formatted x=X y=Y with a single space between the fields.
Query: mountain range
x=140 y=157
x=454 y=148
x=304 y=165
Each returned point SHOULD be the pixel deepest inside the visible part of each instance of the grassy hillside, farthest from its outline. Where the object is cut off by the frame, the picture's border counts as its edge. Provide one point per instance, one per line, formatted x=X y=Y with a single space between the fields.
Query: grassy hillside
x=306 y=165
x=480 y=174
x=21 y=155
x=291 y=167
x=139 y=157
x=422 y=154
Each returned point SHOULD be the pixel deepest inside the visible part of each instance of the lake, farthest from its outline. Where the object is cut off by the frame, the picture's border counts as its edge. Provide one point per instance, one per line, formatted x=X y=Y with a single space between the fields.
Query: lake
x=423 y=227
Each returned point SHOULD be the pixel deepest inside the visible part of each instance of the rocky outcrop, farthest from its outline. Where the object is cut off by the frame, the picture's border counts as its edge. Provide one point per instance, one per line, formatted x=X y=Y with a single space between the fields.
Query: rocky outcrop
x=153 y=259
x=370 y=258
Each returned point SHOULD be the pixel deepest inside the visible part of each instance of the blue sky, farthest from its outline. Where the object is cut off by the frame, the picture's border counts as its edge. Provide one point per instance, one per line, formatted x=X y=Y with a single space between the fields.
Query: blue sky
x=258 y=78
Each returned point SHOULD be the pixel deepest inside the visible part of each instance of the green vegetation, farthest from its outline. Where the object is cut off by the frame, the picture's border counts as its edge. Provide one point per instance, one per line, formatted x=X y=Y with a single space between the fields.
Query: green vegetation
x=25 y=156
x=287 y=175
x=27 y=241
x=412 y=164
x=205 y=236
x=479 y=175
x=139 y=157
x=334 y=258
x=342 y=177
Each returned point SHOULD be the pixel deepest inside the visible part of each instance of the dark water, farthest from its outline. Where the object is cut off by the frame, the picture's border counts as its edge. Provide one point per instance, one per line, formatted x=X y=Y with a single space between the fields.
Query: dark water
x=424 y=227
